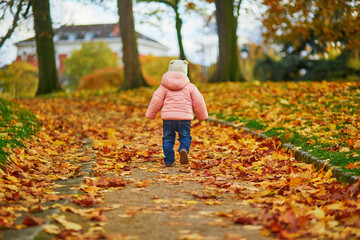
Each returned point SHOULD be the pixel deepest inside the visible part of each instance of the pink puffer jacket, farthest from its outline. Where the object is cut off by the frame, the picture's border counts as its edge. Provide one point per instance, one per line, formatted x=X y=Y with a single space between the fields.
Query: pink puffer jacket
x=178 y=98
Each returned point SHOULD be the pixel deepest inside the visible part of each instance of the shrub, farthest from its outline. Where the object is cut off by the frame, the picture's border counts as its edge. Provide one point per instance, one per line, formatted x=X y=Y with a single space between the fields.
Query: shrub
x=19 y=80
x=91 y=57
x=103 y=78
x=295 y=68
x=154 y=67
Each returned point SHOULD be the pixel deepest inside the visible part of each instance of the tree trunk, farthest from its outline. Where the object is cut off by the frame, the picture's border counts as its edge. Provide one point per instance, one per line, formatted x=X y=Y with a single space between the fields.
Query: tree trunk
x=132 y=72
x=48 y=78
x=178 y=25
x=228 y=67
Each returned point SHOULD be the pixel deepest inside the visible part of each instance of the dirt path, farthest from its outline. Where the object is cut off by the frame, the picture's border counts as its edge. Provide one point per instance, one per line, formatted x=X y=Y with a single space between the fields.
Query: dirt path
x=169 y=208
x=235 y=187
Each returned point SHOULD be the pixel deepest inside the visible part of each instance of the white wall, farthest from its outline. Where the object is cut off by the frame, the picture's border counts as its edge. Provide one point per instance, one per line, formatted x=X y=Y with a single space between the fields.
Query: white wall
x=65 y=47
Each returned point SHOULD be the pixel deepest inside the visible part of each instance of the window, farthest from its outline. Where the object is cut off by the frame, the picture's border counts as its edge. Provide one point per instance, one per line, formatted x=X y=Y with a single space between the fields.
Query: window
x=89 y=35
x=72 y=36
x=63 y=37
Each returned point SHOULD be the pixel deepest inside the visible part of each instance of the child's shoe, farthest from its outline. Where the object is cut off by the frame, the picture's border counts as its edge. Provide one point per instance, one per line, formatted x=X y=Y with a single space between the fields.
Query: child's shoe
x=169 y=165
x=184 y=159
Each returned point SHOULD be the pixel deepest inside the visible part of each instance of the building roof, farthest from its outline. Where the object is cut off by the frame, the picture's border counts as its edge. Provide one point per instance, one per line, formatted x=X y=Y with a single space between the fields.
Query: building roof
x=94 y=31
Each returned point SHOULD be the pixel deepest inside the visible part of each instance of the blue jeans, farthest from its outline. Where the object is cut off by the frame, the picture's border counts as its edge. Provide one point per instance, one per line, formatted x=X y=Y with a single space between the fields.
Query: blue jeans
x=170 y=127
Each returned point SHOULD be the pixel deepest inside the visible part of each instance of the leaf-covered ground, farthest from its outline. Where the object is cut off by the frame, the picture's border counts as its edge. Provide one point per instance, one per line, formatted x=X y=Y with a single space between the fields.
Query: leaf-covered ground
x=322 y=118
x=235 y=187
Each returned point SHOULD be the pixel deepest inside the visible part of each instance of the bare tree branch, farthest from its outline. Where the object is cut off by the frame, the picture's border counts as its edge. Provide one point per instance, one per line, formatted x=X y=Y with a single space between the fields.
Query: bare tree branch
x=14 y=23
x=27 y=9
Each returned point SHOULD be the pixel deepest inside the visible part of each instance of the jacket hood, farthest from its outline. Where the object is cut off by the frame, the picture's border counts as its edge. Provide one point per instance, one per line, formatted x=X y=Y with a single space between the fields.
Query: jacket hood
x=174 y=80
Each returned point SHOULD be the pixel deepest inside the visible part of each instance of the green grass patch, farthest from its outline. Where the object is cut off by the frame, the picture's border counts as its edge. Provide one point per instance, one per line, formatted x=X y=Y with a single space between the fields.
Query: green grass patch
x=16 y=124
x=255 y=124
x=309 y=143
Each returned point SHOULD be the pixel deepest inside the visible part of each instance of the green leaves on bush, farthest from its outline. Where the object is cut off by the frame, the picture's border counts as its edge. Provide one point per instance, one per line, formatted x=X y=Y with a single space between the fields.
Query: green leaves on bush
x=92 y=56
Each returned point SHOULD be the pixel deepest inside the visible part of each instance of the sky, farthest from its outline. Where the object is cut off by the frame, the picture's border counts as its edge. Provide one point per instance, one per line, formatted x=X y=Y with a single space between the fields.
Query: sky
x=200 y=42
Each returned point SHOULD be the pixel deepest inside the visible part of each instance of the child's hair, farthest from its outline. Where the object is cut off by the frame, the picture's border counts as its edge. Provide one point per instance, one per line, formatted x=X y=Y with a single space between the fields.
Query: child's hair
x=179 y=66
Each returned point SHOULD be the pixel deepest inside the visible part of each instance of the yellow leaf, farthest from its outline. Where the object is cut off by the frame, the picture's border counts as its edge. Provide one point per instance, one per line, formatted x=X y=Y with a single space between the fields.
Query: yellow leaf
x=344 y=149
x=328 y=174
x=51 y=229
x=190 y=202
x=265 y=233
x=283 y=101
x=357 y=144
x=192 y=236
x=111 y=132
x=161 y=201
x=152 y=170
x=213 y=202
x=144 y=153
x=317 y=213
x=59 y=143
x=12 y=178
x=67 y=224
x=119 y=166
x=332 y=126
x=253 y=227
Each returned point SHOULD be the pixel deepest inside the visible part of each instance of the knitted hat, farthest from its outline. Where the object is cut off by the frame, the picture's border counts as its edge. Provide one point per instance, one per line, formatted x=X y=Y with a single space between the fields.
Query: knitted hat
x=179 y=66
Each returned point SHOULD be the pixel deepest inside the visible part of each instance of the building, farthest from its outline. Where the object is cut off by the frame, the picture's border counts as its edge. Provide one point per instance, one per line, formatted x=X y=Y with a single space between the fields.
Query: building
x=69 y=38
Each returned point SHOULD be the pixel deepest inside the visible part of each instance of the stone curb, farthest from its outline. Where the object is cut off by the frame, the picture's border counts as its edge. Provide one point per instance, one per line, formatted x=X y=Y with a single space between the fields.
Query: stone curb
x=300 y=155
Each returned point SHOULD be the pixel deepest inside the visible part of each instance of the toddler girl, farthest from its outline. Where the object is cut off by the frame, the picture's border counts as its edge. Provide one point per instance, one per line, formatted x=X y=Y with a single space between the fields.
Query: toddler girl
x=178 y=98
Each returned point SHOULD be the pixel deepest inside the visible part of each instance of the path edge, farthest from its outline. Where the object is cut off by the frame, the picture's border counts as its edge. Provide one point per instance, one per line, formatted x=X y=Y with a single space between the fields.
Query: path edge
x=300 y=155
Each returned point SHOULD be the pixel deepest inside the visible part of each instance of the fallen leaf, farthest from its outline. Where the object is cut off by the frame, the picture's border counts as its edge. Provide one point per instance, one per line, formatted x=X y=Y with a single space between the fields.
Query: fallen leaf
x=352 y=166
x=51 y=229
x=192 y=236
x=32 y=221
x=357 y=145
x=67 y=224
x=344 y=149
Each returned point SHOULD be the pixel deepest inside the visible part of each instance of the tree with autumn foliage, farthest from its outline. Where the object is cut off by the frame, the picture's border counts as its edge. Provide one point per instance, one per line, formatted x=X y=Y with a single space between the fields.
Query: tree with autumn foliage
x=316 y=26
x=319 y=40
x=19 y=80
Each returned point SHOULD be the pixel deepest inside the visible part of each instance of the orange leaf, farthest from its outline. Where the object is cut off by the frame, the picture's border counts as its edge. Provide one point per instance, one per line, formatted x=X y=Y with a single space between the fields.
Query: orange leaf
x=352 y=166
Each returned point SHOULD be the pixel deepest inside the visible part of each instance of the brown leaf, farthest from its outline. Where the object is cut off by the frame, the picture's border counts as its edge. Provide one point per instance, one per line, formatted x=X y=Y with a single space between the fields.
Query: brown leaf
x=32 y=221
x=86 y=200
